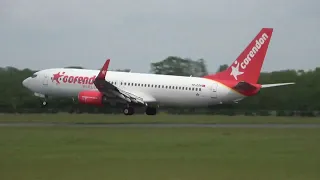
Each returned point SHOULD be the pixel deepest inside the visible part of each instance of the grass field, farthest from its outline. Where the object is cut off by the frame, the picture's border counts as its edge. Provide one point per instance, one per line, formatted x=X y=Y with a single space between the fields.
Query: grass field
x=92 y=118
x=158 y=154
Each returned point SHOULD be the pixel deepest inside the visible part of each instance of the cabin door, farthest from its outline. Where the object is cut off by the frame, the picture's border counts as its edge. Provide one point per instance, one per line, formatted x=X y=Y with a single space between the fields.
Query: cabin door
x=45 y=80
x=213 y=90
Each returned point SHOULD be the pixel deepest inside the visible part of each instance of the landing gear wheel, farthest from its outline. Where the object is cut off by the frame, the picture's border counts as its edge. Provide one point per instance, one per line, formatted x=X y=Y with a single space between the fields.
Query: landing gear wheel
x=44 y=103
x=151 y=111
x=128 y=111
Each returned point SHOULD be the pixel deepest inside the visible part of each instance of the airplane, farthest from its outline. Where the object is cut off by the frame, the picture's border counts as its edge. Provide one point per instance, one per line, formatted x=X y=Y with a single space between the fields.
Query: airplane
x=131 y=90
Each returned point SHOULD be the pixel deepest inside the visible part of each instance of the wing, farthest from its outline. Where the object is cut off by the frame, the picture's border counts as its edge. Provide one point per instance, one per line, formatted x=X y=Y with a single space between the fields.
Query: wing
x=111 y=90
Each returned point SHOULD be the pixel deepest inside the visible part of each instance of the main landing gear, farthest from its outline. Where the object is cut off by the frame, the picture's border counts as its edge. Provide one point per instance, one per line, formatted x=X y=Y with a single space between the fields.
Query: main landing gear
x=129 y=110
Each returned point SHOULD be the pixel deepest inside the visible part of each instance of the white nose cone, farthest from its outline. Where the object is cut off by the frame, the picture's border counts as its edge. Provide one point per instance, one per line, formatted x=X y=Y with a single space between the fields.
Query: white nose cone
x=25 y=82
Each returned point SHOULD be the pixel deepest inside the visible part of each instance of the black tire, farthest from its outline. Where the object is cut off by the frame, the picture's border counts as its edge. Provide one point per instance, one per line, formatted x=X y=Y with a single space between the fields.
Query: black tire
x=44 y=104
x=128 y=111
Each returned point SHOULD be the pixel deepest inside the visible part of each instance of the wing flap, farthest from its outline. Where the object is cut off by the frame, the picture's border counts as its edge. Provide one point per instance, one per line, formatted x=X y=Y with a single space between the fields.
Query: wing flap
x=131 y=96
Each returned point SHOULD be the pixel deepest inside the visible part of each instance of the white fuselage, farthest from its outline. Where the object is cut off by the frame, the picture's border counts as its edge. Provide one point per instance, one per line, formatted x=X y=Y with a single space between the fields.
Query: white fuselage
x=166 y=89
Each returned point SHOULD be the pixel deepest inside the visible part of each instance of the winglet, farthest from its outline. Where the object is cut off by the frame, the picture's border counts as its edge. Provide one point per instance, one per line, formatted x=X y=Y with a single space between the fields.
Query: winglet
x=103 y=71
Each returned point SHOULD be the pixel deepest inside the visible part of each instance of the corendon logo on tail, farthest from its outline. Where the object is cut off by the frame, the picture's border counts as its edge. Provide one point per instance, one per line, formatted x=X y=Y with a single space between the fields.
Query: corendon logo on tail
x=254 y=51
x=246 y=61
x=70 y=79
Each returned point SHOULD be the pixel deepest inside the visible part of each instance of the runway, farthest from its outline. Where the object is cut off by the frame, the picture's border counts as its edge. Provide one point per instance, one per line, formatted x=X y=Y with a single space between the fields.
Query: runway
x=154 y=125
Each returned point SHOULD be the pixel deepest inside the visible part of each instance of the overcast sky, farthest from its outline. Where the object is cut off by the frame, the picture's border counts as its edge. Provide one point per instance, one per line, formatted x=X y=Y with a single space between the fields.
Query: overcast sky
x=41 y=34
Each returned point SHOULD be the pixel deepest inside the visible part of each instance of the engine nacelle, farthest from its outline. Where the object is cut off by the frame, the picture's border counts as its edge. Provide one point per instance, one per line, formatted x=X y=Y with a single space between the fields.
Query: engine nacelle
x=91 y=97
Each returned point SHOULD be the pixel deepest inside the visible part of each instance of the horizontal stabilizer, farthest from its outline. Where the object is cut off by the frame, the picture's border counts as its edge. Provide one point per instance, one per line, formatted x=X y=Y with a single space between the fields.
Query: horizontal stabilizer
x=275 y=85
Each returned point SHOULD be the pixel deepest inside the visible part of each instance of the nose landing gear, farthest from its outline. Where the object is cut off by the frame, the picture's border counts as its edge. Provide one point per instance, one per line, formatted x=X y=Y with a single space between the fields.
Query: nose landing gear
x=44 y=103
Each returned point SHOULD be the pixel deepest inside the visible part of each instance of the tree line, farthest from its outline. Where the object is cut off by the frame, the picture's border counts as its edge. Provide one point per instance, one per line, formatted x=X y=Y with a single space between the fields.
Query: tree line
x=303 y=97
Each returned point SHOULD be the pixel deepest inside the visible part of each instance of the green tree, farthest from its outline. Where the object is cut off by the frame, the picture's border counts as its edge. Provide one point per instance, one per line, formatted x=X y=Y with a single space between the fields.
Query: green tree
x=222 y=67
x=181 y=67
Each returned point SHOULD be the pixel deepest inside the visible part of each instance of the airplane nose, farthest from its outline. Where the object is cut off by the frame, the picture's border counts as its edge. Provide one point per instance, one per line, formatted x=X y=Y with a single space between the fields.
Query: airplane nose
x=25 y=82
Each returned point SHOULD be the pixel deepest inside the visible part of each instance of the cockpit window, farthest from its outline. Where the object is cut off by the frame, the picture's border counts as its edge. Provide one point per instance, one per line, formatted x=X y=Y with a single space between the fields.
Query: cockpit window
x=34 y=75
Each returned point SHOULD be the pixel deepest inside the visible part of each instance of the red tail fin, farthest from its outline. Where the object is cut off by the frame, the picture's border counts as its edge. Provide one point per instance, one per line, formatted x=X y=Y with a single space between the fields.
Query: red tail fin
x=248 y=65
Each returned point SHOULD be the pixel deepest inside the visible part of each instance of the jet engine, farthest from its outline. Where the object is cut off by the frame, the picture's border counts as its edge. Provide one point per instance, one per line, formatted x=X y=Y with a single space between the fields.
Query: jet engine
x=92 y=97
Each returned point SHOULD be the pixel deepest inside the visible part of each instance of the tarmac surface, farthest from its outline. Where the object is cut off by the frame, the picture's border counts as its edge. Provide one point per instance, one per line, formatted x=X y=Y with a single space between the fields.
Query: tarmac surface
x=154 y=125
